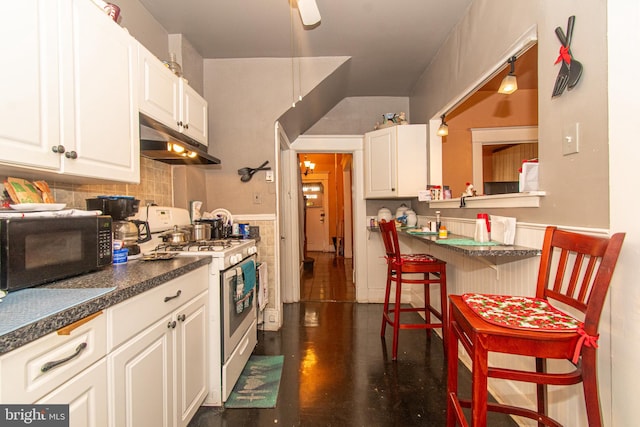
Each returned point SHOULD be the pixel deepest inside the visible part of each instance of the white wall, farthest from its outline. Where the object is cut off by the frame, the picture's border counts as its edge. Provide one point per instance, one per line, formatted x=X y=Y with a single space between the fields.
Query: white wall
x=482 y=40
x=624 y=152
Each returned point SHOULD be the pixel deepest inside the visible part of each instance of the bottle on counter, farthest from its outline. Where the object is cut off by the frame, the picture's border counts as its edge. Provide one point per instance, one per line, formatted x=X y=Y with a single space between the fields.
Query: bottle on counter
x=438 y=222
x=443 y=233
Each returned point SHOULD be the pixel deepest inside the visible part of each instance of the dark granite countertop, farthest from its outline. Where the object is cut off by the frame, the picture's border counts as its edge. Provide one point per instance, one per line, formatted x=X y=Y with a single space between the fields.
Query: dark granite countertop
x=475 y=250
x=129 y=280
x=469 y=250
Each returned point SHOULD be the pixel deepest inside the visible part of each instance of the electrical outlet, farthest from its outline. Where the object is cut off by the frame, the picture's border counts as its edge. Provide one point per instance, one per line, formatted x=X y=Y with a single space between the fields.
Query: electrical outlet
x=257 y=198
x=570 y=135
x=269 y=176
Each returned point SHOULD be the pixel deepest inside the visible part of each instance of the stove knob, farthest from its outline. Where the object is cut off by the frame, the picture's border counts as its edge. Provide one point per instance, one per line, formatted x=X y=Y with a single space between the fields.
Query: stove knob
x=252 y=250
x=233 y=259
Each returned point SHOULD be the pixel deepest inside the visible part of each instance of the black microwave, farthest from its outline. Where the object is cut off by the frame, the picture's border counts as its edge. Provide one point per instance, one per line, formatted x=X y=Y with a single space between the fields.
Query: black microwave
x=34 y=251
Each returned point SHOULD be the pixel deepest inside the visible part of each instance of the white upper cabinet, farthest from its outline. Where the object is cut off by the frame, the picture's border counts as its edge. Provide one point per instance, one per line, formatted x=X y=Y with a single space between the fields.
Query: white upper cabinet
x=168 y=99
x=71 y=92
x=194 y=114
x=104 y=86
x=29 y=109
x=395 y=162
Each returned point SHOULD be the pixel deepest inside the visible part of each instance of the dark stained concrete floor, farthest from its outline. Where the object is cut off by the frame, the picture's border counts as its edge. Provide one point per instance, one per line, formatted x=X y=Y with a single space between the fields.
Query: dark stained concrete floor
x=338 y=372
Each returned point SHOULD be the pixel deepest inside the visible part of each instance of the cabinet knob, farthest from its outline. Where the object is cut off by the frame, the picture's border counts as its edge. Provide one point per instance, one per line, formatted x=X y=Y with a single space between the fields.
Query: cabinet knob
x=186 y=125
x=179 y=123
x=58 y=149
x=171 y=325
x=71 y=155
x=182 y=317
x=393 y=189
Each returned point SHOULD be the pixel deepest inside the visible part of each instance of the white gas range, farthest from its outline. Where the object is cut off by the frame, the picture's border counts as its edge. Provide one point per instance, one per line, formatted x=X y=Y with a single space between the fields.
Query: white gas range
x=232 y=308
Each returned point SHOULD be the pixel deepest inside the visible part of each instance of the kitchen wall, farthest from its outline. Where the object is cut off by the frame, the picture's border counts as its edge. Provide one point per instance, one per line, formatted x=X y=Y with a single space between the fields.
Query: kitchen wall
x=358 y=115
x=246 y=97
x=155 y=187
x=480 y=40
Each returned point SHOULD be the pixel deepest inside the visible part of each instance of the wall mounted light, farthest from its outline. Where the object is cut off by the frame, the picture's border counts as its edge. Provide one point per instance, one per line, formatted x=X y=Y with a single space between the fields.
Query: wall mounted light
x=509 y=83
x=309 y=167
x=443 y=129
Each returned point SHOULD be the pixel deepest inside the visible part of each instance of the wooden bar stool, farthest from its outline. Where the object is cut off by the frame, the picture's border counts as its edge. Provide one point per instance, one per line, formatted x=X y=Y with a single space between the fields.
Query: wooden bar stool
x=432 y=271
x=579 y=278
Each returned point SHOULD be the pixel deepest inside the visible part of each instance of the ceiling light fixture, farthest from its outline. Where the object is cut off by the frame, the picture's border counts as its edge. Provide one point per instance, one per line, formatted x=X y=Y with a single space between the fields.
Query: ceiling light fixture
x=309 y=12
x=509 y=83
x=443 y=129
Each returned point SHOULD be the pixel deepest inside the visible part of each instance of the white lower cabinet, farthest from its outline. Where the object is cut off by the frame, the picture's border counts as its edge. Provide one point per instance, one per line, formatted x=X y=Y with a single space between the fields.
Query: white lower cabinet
x=141 y=373
x=64 y=367
x=158 y=375
x=86 y=395
x=142 y=363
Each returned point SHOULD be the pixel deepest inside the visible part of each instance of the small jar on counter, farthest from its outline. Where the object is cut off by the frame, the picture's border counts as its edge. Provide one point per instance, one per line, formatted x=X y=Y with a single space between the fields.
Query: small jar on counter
x=443 y=233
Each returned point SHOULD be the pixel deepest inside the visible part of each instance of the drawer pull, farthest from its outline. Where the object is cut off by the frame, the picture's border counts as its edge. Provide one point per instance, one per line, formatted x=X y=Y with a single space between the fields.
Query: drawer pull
x=182 y=317
x=50 y=365
x=167 y=299
x=69 y=328
x=171 y=325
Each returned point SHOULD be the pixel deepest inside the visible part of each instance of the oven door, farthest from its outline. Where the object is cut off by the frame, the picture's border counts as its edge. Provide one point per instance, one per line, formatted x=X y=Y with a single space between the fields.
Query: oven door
x=238 y=309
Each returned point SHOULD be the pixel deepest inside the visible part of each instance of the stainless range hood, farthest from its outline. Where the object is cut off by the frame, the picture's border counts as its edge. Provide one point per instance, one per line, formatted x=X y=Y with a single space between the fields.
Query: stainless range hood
x=156 y=140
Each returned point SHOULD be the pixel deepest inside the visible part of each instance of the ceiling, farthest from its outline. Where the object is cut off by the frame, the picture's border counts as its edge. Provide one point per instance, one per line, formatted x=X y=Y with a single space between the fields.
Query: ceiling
x=390 y=43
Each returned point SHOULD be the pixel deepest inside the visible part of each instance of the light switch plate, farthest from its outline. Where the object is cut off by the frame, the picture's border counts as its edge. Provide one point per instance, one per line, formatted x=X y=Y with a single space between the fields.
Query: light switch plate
x=570 y=139
x=269 y=176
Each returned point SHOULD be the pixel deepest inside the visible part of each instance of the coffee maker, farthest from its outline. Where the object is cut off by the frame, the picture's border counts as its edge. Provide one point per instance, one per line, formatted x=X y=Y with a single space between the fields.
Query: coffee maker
x=129 y=231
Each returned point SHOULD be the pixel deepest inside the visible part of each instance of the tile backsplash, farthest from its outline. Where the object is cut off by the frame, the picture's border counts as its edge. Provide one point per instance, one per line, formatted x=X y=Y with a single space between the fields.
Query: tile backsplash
x=155 y=187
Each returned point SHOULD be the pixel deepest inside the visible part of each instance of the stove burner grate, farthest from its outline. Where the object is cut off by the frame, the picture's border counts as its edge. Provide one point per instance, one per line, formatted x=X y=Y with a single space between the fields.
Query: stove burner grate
x=203 y=246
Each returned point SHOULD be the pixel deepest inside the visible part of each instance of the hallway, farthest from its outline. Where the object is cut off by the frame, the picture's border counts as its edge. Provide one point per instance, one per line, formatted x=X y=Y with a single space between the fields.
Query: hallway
x=331 y=279
x=338 y=372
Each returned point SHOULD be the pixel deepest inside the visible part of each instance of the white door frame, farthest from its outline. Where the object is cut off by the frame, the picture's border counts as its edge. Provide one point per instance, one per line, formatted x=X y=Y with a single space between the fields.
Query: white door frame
x=350 y=144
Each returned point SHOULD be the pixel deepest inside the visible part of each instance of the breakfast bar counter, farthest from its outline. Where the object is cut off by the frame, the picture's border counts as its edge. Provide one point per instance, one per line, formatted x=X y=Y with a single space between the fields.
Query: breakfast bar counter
x=467 y=246
x=28 y=314
x=490 y=253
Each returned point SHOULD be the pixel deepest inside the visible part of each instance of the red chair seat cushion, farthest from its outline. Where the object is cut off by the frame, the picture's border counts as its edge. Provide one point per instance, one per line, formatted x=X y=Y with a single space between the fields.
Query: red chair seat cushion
x=417 y=258
x=521 y=312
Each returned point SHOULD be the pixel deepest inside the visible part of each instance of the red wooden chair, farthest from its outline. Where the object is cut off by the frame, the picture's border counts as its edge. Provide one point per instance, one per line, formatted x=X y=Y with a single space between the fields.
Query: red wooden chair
x=578 y=278
x=432 y=271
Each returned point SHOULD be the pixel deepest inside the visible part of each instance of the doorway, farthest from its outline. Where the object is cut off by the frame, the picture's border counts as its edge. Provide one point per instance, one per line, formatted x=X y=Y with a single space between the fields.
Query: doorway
x=291 y=223
x=328 y=241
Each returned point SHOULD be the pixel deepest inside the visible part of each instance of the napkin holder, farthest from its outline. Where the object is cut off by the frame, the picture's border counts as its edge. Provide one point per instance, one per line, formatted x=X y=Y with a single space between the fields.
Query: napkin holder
x=503 y=229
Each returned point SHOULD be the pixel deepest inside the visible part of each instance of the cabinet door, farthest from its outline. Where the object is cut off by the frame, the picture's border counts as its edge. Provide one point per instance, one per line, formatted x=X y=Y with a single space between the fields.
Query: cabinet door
x=191 y=354
x=159 y=94
x=100 y=107
x=86 y=395
x=141 y=372
x=380 y=163
x=194 y=114
x=29 y=84
x=411 y=150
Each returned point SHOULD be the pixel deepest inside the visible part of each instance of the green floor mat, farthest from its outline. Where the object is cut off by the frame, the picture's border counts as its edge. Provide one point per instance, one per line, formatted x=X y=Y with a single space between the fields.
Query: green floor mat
x=258 y=384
